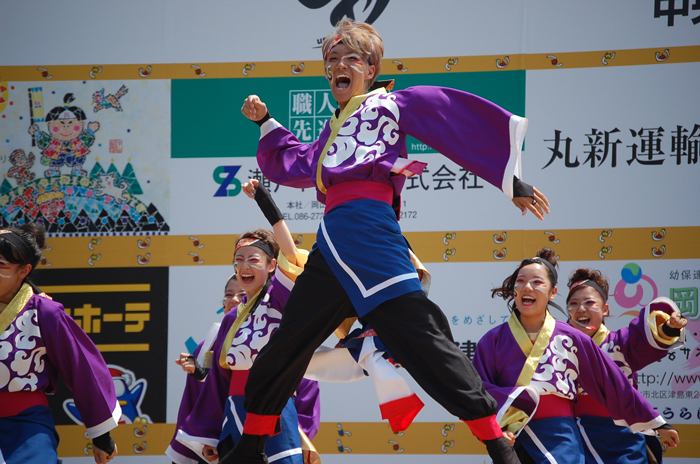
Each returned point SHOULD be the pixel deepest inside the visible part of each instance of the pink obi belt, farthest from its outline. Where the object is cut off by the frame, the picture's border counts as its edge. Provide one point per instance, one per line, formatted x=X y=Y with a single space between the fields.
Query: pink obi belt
x=14 y=403
x=553 y=406
x=345 y=192
x=587 y=406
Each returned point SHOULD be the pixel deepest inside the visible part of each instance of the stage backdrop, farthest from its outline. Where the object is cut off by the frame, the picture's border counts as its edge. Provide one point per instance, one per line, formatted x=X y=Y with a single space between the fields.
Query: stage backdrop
x=142 y=232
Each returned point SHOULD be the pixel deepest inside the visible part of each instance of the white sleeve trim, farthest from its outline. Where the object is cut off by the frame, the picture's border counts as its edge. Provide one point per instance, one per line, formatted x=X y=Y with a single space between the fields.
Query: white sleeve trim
x=177 y=457
x=196 y=444
x=646 y=312
x=208 y=342
x=283 y=279
x=641 y=426
x=106 y=426
x=517 y=129
x=534 y=394
x=268 y=126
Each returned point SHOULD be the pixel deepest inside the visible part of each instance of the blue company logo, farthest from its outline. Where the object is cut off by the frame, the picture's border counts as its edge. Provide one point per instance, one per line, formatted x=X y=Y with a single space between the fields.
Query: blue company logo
x=225 y=176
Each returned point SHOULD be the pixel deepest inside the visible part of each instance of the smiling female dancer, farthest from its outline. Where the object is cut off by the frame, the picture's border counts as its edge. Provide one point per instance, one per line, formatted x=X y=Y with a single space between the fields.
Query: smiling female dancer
x=360 y=264
x=266 y=266
x=533 y=366
x=39 y=342
x=648 y=338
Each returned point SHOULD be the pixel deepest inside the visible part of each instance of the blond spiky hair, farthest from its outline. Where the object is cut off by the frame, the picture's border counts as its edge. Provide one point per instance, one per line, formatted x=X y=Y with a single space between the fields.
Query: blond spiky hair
x=361 y=38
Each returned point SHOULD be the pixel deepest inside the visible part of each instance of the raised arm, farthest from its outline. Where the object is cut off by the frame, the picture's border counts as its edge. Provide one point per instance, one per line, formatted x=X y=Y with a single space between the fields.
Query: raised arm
x=474 y=133
x=281 y=156
x=253 y=189
x=650 y=336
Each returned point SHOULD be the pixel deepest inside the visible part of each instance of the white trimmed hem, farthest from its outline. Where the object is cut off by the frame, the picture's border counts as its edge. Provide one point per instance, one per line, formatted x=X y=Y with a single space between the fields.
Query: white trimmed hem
x=177 y=457
x=366 y=293
x=106 y=426
x=283 y=454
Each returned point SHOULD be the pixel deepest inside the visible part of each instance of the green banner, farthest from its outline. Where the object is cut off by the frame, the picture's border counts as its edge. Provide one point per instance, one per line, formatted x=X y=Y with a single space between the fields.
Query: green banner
x=207 y=123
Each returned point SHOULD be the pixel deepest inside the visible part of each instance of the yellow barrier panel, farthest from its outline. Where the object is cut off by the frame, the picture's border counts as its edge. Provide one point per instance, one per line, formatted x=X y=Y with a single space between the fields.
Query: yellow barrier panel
x=430 y=247
x=552 y=60
x=439 y=438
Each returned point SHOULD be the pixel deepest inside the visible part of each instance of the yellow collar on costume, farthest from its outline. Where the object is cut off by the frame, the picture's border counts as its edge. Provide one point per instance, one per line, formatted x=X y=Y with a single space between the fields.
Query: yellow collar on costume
x=601 y=335
x=336 y=125
x=19 y=301
x=534 y=351
x=242 y=311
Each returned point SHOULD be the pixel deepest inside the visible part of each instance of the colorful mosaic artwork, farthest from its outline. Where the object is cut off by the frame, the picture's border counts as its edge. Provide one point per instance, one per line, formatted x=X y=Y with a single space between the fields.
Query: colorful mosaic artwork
x=102 y=203
x=54 y=181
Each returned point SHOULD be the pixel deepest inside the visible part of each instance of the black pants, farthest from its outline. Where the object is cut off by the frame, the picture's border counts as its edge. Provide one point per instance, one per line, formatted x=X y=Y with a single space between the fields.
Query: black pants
x=412 y=327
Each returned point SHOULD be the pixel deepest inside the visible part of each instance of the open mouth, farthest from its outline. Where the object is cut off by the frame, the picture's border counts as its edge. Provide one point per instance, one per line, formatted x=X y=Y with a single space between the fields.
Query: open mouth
x=342 y=82
x=584 y=322
x=528 y=300
x=247 y=278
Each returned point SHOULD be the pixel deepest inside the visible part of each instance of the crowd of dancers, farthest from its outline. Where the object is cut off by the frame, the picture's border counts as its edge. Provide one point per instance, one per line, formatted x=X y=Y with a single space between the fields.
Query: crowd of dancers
x=539 y=390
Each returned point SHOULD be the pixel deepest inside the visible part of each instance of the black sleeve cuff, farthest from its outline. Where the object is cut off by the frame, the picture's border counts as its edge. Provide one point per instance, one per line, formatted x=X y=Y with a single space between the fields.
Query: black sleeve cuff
x=670 y=331
x=200 y=373
x=665 y=427
x=264 y=119
x=521 y=189
x=104 y=442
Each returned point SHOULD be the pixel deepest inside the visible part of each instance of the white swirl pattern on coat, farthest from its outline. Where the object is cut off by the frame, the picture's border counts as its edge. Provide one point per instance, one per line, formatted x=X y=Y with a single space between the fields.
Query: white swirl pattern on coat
x=28 y=359
x=558 y=368
x=252 y=336
x=372 y=128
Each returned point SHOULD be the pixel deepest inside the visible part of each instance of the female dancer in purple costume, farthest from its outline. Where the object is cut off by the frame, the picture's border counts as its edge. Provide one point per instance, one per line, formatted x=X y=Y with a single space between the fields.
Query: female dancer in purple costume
x=197 y=368
x=360 y=264
x=266 y=267
x=533 y=366
x=648 y=338
x=39 y=342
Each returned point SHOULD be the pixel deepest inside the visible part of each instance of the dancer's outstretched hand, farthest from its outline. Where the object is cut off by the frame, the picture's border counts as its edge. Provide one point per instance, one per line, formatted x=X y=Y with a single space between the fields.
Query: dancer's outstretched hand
x=537 y=205
x=186 y=361
x=670 y=437
x=253 y=108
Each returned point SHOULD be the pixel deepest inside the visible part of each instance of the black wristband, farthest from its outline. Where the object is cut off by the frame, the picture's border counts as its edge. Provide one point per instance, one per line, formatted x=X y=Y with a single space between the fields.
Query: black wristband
x=104 y=442
x=200 y=372
x=670 y=331
x=521 y=189
x=264 y=119
x=666 y=426
x=267 y=205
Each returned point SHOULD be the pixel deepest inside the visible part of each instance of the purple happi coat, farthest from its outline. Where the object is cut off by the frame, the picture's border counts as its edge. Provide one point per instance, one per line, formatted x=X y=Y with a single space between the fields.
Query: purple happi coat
x=365 y=144
x=203 y=425
x=568 y=360
x=632 y=348
x=369 y=136
x=176 y=451
x=636 y=346
x=42 y=342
